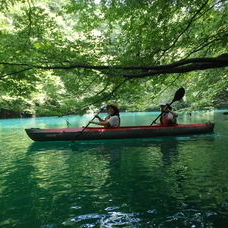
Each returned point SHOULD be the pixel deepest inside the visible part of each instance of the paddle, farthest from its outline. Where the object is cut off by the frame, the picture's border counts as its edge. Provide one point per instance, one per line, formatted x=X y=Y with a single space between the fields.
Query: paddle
x=77 y=136
x=101 y=109
x=178 y=96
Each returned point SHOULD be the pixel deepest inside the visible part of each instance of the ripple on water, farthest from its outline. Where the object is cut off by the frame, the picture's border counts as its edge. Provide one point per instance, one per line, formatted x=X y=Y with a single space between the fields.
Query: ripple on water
x=87 y=225
x=84 y=218
x=119 y=219
x=76 y=207
x=110 y=219
x=189 y=218
x=111 y=208
x=153 y=211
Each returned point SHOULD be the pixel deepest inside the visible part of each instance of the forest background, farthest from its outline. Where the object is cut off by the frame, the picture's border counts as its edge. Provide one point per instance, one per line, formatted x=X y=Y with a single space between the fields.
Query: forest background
x=60 y=57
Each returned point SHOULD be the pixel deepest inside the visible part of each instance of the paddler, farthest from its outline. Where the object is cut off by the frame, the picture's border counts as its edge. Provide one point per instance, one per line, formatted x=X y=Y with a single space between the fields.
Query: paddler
x=168 y=117
x=110 y=121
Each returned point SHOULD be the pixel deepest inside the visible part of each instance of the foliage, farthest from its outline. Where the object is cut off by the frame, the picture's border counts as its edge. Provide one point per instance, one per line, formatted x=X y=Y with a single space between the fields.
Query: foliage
x=108 y=32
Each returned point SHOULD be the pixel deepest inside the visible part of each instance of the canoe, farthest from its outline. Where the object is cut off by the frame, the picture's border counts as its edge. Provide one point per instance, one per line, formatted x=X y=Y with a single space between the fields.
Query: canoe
x=74 y=134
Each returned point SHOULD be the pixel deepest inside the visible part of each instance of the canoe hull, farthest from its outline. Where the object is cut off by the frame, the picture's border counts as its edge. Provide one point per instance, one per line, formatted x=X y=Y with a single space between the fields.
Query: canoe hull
x=74 y=134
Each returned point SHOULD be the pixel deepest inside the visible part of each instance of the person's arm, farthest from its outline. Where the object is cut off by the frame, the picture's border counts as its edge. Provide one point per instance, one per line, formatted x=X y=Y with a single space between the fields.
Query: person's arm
x=99 y=118
x=107 y=118
x=168 y=109
x=174 y=114
x=101 y=123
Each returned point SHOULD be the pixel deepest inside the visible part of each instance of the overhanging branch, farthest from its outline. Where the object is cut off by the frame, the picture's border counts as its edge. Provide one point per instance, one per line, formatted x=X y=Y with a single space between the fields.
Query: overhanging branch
x=16 y=72
x=182 y=66
x=179 y=69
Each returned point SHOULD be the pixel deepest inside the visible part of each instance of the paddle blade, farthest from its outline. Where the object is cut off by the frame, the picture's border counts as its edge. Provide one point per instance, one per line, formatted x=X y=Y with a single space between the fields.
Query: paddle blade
x=179 y=94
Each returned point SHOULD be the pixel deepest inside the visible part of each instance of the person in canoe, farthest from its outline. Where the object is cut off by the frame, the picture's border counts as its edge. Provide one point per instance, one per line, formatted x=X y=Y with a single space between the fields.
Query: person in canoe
x=168 y=117
x=110 y=121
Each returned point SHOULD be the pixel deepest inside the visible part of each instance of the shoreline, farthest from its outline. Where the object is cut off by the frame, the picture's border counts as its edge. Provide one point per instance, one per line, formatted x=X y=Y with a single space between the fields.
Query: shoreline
x=224 y=111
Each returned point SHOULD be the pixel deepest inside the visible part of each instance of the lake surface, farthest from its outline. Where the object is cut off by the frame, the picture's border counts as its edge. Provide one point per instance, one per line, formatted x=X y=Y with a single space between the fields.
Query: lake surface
x=158 y=182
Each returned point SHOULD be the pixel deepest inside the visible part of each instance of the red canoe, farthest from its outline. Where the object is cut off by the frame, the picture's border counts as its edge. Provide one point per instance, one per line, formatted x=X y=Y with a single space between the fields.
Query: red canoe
x=66 y=134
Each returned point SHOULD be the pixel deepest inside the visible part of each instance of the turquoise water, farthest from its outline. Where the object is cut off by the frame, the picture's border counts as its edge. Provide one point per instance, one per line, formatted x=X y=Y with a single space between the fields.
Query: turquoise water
x=160 y=182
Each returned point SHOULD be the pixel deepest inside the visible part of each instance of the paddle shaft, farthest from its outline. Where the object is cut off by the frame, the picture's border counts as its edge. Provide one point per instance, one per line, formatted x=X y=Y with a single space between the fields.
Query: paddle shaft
x=85 y=127
x=89 y=122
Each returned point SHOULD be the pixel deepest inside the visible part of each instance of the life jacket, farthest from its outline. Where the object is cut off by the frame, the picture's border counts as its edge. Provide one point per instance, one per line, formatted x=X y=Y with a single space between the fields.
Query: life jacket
x=168 y=119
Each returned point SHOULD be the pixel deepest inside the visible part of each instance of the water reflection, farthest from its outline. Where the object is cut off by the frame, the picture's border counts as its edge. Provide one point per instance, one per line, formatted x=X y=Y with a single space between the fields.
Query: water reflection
x=113 y=182
x=169 y=151
x=113 y=177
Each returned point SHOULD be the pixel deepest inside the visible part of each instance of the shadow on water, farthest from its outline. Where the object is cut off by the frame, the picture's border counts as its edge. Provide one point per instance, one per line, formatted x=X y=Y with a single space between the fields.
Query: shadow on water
x=82 y=146
x=166 y=146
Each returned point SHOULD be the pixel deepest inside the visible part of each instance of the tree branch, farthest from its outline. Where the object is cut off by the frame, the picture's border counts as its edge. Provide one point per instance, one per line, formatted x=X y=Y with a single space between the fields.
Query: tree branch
x=182 y=66
x=16 y=72
x=180 y=69
x=206 y=44
x=106 y=97
x=186 y=28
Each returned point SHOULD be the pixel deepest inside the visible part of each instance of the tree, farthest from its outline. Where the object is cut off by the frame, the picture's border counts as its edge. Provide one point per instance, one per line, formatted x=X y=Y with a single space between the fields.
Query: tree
x=66 y=56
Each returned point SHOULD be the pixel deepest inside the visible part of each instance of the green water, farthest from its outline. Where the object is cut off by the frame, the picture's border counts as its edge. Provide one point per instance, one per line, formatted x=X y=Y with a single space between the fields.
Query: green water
x=161 y=182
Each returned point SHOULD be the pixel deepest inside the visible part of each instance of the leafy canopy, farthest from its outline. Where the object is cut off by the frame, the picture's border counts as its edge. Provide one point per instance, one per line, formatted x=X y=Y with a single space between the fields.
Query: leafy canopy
x=51 y=33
